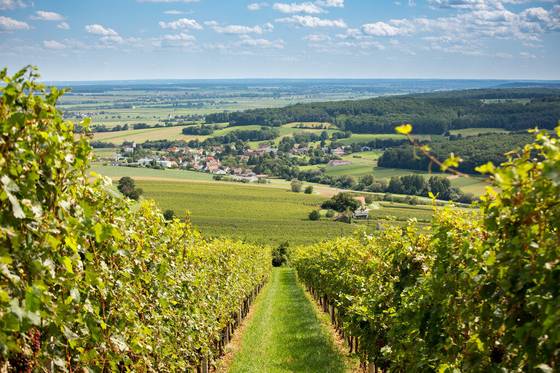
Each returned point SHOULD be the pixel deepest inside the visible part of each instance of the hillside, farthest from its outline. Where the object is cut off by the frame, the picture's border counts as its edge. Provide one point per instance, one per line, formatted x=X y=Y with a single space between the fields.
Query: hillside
x=430 y=113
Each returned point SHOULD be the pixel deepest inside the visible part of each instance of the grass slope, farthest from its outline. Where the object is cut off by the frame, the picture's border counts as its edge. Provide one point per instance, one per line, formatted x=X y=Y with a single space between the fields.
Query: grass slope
x=286 y=333
x=252 y=213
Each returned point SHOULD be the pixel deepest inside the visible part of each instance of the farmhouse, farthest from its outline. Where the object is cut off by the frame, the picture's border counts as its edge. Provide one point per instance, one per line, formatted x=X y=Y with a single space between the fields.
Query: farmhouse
x=339 y=152
x=362 y=213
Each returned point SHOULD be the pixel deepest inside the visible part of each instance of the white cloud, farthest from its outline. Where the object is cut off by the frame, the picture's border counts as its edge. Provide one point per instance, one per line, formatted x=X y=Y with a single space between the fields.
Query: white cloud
x=63 y=26
x=180 y=40
x=313 y=22
x=98 y=29
x=382 y=29
x=183 y=23
x=42 y=15
x=10 y=24
x=11 y=4
x=257 y=6
x=306 y=7
x=260 y=43
x=239 y=29
x=53 y=44
x=316 y=38
x=331 y=3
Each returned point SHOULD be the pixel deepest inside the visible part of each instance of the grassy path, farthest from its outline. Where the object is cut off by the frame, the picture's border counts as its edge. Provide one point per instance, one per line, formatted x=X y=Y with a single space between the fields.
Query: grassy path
x=285 y=333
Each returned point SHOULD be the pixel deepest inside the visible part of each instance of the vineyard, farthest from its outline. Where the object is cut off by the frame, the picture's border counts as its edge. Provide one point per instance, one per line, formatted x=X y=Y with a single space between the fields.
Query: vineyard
x=90 y=280
x=478 y=293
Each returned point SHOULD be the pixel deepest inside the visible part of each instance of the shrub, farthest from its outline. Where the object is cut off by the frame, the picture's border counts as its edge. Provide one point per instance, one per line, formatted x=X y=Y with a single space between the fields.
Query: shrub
x=168 y=214
x=309 y=189
x=314 y=215
x=128 y=188
x=330 y=213
x=341 y=202
x=296 y=186
x=280 y=255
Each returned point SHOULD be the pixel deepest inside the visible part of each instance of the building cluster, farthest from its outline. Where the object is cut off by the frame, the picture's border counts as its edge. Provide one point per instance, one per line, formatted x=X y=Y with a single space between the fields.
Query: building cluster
x=207 y=159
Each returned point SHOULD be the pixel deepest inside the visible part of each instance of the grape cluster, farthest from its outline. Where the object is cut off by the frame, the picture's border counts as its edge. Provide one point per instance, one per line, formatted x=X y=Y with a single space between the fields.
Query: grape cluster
x=19 y=362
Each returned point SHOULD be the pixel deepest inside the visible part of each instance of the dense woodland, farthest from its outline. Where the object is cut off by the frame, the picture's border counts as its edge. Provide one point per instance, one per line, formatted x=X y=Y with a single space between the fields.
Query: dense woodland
x=474 y=151
x=433 y=113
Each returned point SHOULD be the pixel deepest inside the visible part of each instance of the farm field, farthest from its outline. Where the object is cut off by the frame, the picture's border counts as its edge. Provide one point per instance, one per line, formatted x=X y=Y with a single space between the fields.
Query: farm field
x=143 y=135
x=251 y=213
x=150 y=173
x=262 y=214
x=175 y=133
x=362 y=164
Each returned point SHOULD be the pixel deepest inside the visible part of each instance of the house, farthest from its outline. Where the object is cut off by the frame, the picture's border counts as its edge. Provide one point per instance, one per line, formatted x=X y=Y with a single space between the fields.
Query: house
x=361 y=213
x=338 y=162
x=145 y=162
x=167 y=164
x=339 y=152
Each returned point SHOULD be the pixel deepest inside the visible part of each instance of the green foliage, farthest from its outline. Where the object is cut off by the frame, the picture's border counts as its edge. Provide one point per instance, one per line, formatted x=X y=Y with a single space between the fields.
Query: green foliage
x=90 y=281
x=128 y=188
x=473 y=150
x=280 y=254
x=308 y=189
x=168 y=214
x=477 y=293
x=296 y=186
x=341 y=202
x=430 y=113
x=314 y=215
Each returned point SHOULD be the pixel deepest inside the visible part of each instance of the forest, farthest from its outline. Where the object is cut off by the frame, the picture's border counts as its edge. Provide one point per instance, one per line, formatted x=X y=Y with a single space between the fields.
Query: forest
x=474 y=151
x=431 y=113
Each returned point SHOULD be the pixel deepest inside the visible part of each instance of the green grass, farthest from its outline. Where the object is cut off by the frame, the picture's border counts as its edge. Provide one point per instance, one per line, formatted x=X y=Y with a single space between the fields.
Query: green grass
x=266 y=214
x=286 y=333
x=143 y=135
x=261 y=214
x=149 y=173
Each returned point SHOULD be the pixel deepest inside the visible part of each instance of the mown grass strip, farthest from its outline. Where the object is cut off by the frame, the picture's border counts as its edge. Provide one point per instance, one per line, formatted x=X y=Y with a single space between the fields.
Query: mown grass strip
x=285 y=333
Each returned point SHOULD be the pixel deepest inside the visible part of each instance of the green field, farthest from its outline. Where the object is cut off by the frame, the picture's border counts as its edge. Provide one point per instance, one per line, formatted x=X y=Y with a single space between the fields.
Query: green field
x=143 y=135
x=252 y=213
x=150 y=173
x=287 y=333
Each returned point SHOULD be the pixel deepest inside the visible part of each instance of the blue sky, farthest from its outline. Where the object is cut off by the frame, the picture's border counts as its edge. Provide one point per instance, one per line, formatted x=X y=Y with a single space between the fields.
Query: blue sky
x=152 y=39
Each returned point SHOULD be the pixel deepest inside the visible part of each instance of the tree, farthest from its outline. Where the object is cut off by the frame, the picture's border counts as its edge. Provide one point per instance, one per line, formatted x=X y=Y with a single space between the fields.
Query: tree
x=341 y=202
x=309 y=189
x=280 y=254
x=128 y=188
x=296 y=186
x=314 y=215
x=169 y=214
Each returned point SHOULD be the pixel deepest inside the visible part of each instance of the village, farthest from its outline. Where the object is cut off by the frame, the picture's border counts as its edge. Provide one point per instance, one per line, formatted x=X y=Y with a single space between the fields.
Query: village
x=234 y=161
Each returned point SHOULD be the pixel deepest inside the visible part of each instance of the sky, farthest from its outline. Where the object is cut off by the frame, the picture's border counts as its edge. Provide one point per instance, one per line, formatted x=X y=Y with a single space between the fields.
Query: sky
x=190 y=39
